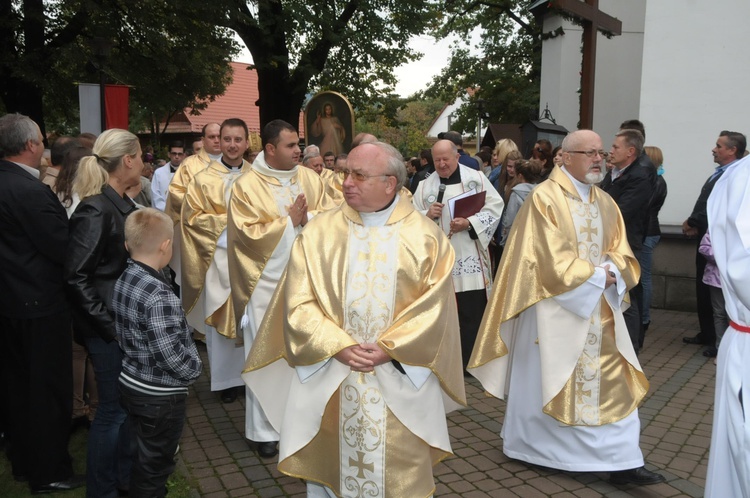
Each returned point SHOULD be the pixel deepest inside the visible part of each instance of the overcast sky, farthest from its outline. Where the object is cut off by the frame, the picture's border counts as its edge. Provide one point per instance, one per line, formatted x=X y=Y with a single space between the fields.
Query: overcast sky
x=413 y=76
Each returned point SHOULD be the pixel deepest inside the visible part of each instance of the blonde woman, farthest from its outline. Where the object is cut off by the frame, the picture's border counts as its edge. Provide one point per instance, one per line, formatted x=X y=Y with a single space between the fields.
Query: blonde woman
x=502 y=149
x=96 y=257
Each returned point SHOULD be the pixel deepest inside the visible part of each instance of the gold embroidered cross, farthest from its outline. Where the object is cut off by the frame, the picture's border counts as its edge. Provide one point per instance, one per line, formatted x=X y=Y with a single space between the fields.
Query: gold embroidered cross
x=588 y=230
x=372 y=257
x=580 y=393
x=361 y=465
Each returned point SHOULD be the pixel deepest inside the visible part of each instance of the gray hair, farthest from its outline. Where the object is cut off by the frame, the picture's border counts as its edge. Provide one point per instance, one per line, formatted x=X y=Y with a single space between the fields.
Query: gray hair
x=395 y=165
x=310 y=153
x=633 y=138
x=15 y=131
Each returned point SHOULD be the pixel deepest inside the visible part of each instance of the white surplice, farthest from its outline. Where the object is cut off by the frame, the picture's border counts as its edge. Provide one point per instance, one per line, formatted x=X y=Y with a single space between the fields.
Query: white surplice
x=729 y=224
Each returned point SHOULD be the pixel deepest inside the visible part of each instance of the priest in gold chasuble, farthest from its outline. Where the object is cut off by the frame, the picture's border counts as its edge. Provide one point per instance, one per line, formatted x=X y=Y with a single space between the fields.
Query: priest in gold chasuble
x=269 y=206
x=205 y=272
x=553 y=339
x=366 y=318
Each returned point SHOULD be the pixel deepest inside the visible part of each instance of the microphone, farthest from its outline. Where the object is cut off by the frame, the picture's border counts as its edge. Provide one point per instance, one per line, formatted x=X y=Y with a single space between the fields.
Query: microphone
x=441 y=193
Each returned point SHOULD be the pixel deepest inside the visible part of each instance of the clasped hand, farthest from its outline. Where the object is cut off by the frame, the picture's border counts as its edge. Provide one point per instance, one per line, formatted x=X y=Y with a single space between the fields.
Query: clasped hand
x=362 y=357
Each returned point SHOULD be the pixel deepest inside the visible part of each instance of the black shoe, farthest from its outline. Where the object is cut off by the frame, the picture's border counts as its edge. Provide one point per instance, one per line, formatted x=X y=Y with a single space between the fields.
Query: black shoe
x=639 y=476
x=54 y=487
x=229 y=395
x=710 y=353
x=694 y=340
x=268 y=449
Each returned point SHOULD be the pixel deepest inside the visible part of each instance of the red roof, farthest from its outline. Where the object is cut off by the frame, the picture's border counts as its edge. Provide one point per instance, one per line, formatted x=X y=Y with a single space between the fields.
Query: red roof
x=237 y=102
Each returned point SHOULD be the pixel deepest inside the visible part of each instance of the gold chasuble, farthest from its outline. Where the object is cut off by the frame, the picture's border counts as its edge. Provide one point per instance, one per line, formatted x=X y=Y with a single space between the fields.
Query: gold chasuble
x=590 y=374
x=190 y=167
x=348 y=281
x=258 y=217
x=205 y=270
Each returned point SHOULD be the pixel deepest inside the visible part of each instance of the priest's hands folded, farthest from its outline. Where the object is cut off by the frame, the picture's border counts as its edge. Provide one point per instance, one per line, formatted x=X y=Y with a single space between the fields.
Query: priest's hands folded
x=298 y=211
x=362 y=357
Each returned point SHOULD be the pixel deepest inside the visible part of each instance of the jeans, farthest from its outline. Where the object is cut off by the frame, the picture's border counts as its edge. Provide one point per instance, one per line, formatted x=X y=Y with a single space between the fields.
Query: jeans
x=645 y=259
x=109 y=455
x=156 y=422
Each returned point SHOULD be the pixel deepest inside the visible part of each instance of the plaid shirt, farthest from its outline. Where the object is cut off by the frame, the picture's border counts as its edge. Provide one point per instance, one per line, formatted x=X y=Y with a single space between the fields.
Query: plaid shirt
x=160 y=355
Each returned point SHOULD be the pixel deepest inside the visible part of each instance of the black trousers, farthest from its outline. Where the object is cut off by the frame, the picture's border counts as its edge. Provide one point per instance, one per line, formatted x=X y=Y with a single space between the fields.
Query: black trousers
x=37 y=368
x=707 y=335
x=156 y=422
x=471 y=306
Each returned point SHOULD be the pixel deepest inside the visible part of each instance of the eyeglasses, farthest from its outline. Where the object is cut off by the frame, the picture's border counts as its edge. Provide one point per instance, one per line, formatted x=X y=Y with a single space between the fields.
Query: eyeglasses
x=177 y=153
x=590 y=153
x=356 y=175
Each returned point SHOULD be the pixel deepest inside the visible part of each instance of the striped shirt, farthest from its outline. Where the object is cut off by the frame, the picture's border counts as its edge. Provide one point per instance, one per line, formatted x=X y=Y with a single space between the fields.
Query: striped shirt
x=160 y=357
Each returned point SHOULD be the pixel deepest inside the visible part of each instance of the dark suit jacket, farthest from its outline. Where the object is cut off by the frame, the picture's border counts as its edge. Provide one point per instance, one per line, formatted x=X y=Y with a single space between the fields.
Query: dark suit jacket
x=96 y=259
x=33 y=238
x=632 y=192
x=699 y=217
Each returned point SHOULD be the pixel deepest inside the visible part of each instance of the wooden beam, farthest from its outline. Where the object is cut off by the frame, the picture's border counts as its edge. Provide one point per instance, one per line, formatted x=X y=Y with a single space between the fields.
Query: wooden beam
x=590 y=13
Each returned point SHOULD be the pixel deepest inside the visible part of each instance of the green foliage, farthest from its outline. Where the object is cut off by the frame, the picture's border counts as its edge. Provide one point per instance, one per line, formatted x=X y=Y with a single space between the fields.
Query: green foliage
x=503 y=69
x=351 y=46
x=402 y=123
x=163 y=49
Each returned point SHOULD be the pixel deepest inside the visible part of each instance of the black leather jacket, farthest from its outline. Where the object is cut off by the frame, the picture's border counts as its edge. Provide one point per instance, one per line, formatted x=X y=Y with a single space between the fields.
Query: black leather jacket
x=654 y=206
x=96 y=257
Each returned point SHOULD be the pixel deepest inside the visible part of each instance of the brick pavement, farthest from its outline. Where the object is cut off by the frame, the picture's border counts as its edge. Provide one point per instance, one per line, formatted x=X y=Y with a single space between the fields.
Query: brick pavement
x=676 y=428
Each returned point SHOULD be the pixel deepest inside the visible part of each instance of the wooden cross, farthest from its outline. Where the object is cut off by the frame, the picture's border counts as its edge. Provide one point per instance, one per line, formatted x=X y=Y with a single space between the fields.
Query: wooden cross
x=589 y=230
x=361 y=465
x=593 y=20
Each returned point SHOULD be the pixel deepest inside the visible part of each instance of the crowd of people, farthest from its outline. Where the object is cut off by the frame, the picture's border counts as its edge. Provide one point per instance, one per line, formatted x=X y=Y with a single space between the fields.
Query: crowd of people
x=346 y=296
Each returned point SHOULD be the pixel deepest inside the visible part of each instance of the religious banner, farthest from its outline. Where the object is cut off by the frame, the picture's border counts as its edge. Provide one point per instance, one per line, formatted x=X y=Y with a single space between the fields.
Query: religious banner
x=329 y=122
x=116 y=98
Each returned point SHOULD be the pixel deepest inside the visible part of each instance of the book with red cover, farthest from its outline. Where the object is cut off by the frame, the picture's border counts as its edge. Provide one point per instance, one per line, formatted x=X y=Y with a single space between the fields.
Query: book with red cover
x=469 y=206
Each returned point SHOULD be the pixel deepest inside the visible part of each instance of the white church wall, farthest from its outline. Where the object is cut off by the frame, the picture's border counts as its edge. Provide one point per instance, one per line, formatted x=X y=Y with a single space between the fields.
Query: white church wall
x=561 y=68
x=694 y=85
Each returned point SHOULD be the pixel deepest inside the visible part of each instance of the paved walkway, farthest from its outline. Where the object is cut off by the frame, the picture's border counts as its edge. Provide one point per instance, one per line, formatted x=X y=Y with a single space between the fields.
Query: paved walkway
x=676 y=429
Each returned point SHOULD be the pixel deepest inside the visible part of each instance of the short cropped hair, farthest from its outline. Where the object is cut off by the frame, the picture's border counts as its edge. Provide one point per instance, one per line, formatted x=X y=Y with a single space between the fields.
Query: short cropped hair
x=735 y=139
x=329 y=154
x=272 y=131
x=634 y=124
x=310 y=154
x=234 y=123
x=205 y=126
x=146 y=229
x=454 y=137
x=395 y=164
x=15 y=131
x=633 y=138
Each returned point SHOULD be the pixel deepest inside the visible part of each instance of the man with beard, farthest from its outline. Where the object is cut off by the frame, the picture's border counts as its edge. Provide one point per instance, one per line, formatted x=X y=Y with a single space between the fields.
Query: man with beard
x=553 y=338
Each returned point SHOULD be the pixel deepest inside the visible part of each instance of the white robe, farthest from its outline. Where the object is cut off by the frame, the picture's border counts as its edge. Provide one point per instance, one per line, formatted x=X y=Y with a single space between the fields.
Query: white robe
x=729 y=225
x=528 y=433
x=472 y=270
x=257 y=426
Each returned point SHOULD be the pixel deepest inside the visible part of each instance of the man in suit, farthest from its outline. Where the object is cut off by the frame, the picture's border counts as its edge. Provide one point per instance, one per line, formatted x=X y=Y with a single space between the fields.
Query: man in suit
x=630 y=184
x=35 y=334
x=730 y=146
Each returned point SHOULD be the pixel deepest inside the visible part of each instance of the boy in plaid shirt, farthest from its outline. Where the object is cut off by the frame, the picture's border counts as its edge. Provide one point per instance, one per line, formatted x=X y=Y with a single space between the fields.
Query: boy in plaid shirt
x=160 y=359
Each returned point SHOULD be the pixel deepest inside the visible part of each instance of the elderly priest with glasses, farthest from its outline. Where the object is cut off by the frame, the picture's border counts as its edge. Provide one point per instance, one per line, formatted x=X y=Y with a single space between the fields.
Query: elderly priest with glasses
x=553 y=340
x=364 y=314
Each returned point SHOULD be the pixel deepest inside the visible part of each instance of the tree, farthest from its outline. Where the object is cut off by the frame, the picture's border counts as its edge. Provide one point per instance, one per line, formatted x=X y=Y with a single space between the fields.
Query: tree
x=170 y=60
x=402 y=123
x=349 y=46
x=505 y=72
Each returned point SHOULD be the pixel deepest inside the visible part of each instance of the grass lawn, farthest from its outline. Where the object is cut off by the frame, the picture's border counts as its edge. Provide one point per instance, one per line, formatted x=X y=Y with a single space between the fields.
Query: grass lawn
x=179 y=486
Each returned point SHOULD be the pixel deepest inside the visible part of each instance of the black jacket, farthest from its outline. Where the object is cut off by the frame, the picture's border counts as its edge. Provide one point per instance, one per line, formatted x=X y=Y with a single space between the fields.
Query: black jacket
x=699 y=217
x=654 y=206
x=96 y=259
x=33 y=238
x=632 y=192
